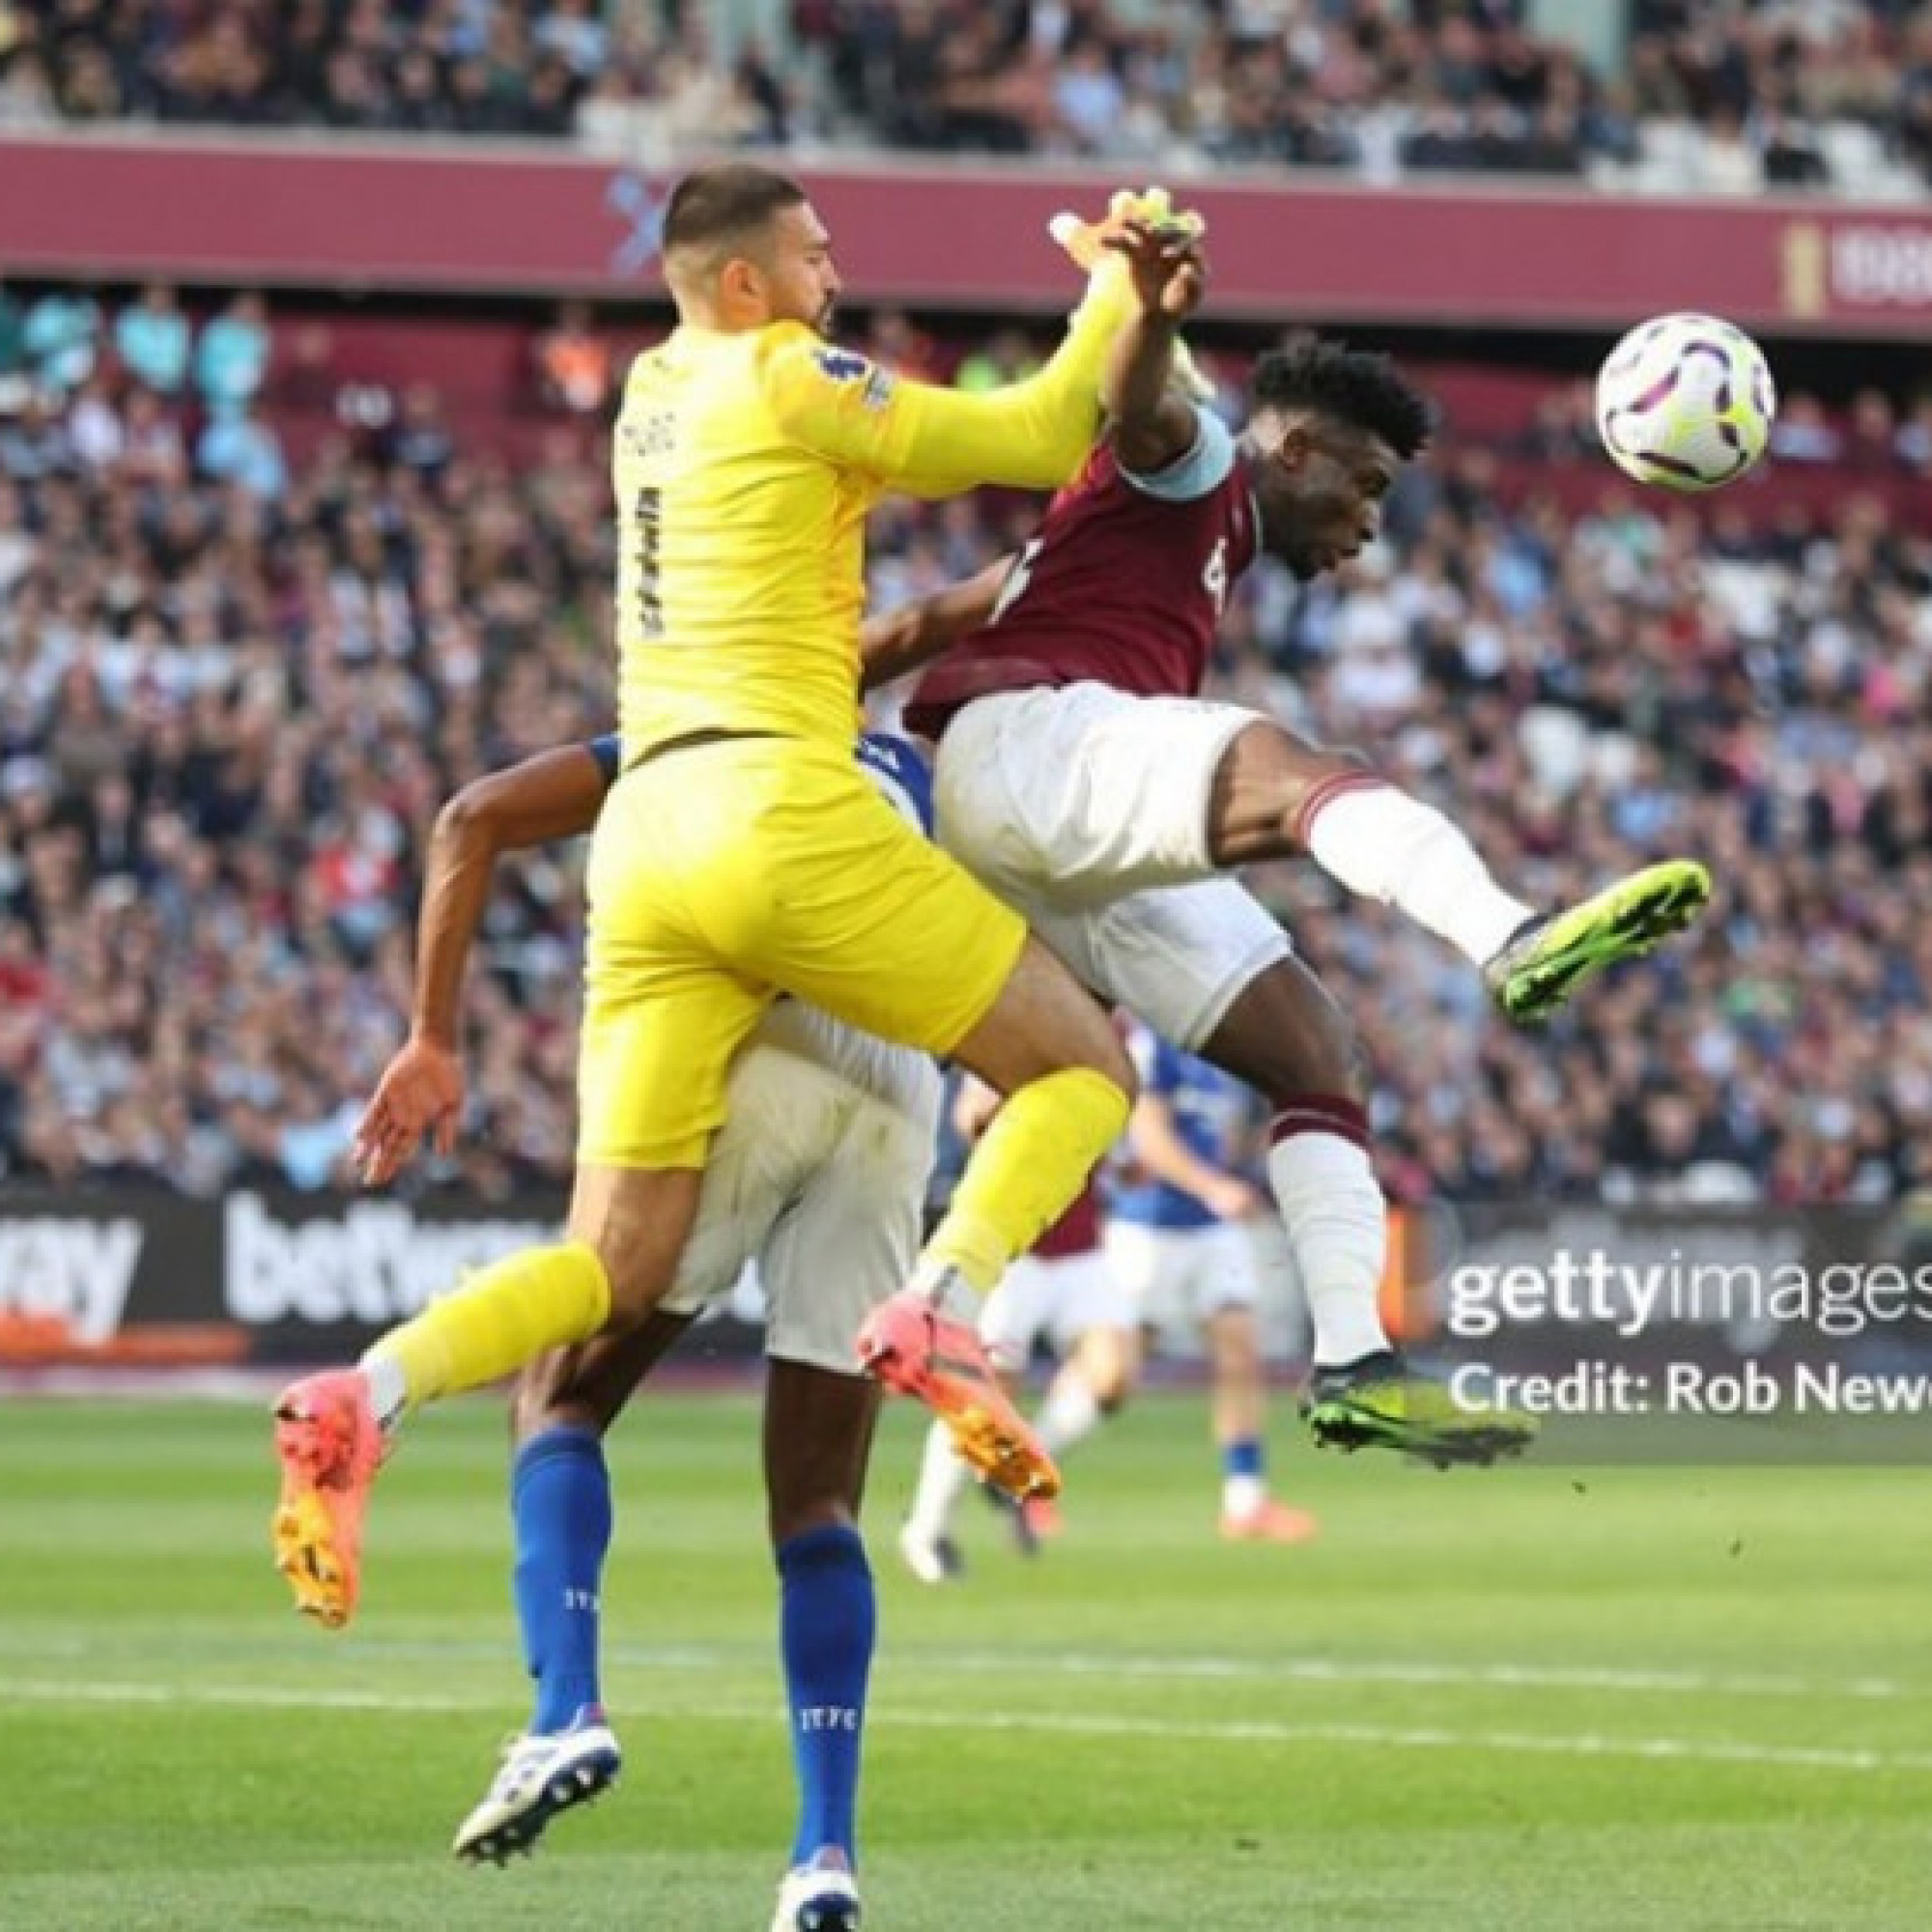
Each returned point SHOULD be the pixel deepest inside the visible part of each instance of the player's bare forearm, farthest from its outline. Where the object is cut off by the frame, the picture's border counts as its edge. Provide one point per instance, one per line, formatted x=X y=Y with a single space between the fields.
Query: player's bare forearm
x=1157 y=1148
x=554 y=795
x=551 y=796
x=914 y=634
x=1153 y=424
x=974 y=1106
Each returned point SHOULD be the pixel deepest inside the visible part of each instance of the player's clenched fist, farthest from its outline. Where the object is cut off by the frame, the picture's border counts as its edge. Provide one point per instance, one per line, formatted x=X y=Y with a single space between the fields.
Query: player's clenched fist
x=1086 y=241
x=1166 y=265
x=1089 y=243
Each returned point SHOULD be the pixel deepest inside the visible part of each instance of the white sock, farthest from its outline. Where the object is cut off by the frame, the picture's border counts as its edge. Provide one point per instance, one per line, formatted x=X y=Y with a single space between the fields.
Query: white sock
x=1383 y=844
x=388 y=1392
x=942 y=1480
x=1243 y=1496
x=1338 y=1227
x=1070 y=1414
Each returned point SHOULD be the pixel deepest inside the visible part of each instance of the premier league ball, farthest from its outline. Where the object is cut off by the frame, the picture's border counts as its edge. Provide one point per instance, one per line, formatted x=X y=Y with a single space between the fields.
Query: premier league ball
x=1684 y=401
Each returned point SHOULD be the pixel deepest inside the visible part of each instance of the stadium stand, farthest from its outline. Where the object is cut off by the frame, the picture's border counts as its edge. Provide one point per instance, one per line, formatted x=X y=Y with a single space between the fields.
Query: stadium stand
x=252 y=633
x=1723 y=97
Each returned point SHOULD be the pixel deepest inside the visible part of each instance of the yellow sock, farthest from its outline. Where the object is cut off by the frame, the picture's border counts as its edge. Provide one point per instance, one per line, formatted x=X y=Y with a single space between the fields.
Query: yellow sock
x=1026 y=1172
x=503 y=1317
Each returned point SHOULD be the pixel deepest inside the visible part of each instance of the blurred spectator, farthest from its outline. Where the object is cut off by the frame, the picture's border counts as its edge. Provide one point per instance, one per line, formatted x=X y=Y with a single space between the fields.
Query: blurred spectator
x=237 y=446
x=573 y=363
x=13 y=350
x=764 y=105
x=152 y=337
x=1871 y=436
x=93 y=427
x=1788 y=152
x=893 y=341
x=34 y=442
x=231 y=359
x=420 y=440
x=1009 y=356
x=27 y=99
x=1803 y=433
x=571 y=30
x=1088 y=98
x=1914 y=437
x=62 y=335
x=1726 y=163
x=1301 y=83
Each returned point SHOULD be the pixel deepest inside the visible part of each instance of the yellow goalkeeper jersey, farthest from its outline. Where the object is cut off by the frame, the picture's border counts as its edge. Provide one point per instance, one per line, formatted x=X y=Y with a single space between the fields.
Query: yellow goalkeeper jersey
x=744 y=465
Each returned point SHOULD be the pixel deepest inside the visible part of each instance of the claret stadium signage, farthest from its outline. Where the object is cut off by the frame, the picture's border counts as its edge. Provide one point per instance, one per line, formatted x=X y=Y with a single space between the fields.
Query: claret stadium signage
x=269 y=212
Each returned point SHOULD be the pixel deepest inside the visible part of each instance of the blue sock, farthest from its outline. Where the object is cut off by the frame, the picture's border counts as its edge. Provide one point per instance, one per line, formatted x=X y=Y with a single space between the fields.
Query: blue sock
x=561 y=1501
x=1242 y=1458
x=826 y=1622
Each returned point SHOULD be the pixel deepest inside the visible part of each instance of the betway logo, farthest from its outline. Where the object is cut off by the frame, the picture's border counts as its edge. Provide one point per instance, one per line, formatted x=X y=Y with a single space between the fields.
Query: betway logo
x=76 y=1273
x=1882 y=266
x=374 y=1263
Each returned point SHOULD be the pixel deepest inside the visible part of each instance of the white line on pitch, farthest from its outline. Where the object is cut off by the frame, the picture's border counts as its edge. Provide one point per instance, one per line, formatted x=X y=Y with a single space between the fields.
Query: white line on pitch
x=1332 y=1670
x=1370 y=1737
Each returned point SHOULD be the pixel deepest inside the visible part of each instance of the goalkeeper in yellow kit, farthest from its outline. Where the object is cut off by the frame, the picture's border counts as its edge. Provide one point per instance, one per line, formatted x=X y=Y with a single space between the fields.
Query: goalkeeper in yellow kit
x=742 y=853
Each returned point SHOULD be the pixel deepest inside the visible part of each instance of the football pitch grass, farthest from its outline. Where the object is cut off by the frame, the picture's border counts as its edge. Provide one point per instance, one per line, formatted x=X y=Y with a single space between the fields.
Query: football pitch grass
x=1532 y=1697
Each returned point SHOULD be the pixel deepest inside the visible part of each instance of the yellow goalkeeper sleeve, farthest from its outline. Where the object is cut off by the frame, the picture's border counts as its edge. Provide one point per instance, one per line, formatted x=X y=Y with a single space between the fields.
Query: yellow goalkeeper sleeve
x=930 y=441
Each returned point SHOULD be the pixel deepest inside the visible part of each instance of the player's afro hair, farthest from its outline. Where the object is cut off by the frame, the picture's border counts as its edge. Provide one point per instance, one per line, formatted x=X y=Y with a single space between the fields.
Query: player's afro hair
x=1352 y=385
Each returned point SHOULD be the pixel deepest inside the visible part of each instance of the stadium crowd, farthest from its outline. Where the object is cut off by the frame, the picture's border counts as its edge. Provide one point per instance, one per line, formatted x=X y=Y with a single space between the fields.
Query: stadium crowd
x=232 y=698
x=1721 y=95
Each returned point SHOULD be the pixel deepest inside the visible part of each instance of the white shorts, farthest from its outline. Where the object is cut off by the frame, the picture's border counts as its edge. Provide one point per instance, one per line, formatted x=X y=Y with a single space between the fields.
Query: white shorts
x=1059 y=1299
x=1180 y=1277
x=1086 y=809
x=819 y=1179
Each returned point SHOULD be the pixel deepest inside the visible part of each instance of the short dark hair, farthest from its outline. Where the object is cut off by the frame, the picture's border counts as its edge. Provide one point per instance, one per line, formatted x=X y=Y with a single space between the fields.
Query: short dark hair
x=725 y=203
x=1355 y=385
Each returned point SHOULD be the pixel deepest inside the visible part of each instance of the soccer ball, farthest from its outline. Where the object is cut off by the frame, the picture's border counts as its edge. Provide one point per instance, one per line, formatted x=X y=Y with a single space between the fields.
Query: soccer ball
x=1684 y=401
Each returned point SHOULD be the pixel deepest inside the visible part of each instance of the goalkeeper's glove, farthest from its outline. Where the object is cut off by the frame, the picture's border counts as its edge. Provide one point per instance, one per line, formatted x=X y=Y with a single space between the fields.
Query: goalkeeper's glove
x=1086 y=242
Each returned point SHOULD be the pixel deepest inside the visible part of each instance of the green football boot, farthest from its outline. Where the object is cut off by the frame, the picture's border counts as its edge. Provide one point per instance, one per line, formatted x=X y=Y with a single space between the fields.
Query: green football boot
x=1552 y=956
x=1378 y=1403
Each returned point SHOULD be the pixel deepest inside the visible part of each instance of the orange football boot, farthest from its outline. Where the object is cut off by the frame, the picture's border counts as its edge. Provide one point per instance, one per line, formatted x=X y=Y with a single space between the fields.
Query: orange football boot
x=1272 y=1522
x=330 y=1446
x=913 y=1349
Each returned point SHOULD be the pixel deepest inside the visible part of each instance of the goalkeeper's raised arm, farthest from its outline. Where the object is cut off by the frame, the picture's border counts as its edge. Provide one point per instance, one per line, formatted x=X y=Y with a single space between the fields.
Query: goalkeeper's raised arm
x=933 y=441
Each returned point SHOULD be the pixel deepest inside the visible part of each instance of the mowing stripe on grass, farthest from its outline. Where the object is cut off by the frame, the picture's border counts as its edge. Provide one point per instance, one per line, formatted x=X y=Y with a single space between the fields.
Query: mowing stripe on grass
x=1011 y=1664
x=1370 y=1737
x=1507 y=1676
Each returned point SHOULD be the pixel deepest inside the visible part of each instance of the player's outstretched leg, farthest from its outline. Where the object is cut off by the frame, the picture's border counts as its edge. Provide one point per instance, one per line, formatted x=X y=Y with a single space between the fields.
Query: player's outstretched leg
x=1275 y=795
x=1552 y=956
